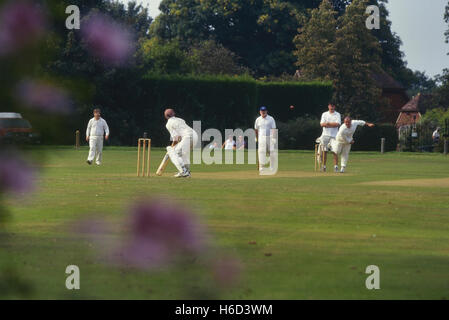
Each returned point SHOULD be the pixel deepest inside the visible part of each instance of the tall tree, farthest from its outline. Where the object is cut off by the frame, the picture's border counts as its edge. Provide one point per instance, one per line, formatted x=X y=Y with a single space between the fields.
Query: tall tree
x=358 y=57
x=392 y=57
x=212 y=58
x=446 y=19
x=441 y=93
x=338 y=5
x=258 y=31
x=421 y=84
x=71 y=57
x=315 y=44
x=162 y=57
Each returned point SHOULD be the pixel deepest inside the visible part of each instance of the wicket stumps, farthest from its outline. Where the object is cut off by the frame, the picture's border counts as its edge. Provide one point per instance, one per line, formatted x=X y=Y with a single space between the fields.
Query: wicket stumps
x=77 y=139
x=143 y=163
x=319 y=157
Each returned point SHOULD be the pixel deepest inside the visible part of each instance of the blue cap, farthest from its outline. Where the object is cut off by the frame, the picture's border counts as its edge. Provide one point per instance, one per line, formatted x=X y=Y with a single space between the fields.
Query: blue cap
x=263 y=108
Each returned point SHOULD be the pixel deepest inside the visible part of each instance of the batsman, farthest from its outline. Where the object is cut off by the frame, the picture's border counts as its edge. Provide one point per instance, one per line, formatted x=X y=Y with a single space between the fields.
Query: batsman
x=184 y=138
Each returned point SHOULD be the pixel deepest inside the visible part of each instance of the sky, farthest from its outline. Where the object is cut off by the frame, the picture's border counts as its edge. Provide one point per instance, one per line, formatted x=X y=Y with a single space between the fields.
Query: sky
x=421 y=27
x=418 y=23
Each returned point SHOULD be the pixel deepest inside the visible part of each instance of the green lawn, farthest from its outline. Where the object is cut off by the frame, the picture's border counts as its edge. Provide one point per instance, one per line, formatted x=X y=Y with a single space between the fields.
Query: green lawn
x=322 y=230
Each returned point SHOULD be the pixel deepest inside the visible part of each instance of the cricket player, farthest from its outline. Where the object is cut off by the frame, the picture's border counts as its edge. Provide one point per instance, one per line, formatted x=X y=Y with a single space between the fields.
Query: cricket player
x=96 y=130
x=344 y=140
x=330 y=121
x=264 y=126
x=185 y=138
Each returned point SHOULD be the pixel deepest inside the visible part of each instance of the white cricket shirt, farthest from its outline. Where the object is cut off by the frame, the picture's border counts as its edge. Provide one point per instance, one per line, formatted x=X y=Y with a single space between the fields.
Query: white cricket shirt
x=264 y=125
x=178 y=128
x=345 y=134
x=333 y=118
x=229 y=144
x=97 y=128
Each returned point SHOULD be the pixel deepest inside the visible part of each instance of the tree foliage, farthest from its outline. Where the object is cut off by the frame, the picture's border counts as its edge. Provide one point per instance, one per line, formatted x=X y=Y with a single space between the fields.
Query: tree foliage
x=441 y=93
x=343 y=51
x=446 y=19
x=213 y=58
x=70 y=56
x=315 y=44
x=258 y=31
x=165 y=57
x=357 y=59
x=436 y=117
x=421 y=84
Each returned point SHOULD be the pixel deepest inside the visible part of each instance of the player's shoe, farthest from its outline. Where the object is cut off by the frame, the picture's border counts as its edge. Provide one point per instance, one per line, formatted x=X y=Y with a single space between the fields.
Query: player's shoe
x=336 y=169
x=89 y=162
x=186 y=174
x=323 y=169
x=342 y=170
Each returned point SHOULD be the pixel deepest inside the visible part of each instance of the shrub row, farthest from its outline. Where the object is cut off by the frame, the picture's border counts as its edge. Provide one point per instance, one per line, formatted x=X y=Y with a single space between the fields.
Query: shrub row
x=219 y=102
x=369 y=139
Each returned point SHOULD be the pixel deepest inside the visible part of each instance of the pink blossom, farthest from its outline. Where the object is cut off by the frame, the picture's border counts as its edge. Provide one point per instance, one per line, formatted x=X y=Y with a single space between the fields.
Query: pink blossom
x=107 y=40
x=15 y=174
x=21 y=24
x=158 y=232
x=43 y=96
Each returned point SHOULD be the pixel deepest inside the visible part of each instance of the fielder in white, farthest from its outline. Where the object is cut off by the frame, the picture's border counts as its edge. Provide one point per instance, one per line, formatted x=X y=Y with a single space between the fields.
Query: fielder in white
x=185 y=138
x=264 y=127
x=95 y=133
x=330 y=121
x=342 y=144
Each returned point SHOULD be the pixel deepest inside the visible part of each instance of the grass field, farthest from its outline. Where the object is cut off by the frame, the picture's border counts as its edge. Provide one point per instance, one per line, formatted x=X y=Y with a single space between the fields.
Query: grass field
x=322 y=230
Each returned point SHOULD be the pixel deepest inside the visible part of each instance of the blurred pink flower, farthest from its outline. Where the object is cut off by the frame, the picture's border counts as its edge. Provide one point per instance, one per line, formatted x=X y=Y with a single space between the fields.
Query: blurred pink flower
x=159 y=232
x=43 y=96
x=21 y=23
x=107 y=39
x=15 y=174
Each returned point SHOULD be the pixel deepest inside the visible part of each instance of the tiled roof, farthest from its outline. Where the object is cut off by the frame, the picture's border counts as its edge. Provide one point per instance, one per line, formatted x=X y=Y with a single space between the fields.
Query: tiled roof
x=412 y=105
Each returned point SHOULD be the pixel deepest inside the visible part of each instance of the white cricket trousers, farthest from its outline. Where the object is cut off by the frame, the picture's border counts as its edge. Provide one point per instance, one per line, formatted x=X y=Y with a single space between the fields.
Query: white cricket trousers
x=180 y=154
x=342 y=150
x=265 y=146
x=96 y=148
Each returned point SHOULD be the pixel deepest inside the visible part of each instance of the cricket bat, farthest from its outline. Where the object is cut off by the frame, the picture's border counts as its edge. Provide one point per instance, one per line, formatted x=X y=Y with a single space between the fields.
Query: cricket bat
x=164 y=163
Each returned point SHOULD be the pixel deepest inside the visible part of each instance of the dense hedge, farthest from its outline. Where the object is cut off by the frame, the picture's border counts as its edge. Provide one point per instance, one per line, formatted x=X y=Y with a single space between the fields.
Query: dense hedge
x=299 y=133
x=309 y=99
x=219 y=102
x=369 y=139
